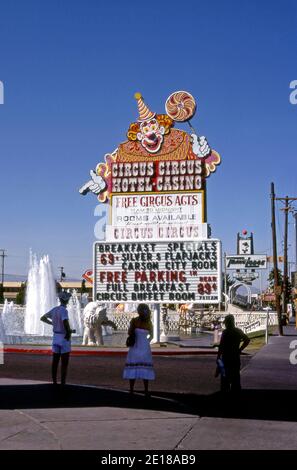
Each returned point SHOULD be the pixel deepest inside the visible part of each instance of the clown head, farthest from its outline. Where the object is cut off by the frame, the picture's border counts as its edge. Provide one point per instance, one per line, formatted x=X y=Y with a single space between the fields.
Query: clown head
x=150 y=127
x=151 y=132
x=151 y=135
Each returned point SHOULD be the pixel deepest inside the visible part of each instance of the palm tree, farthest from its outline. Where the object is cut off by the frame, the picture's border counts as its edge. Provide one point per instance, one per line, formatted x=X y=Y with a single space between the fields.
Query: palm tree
x=271 y=278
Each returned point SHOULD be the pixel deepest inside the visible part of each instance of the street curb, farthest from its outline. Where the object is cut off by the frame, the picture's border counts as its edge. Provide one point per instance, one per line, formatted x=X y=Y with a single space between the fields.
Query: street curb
x=48 y=352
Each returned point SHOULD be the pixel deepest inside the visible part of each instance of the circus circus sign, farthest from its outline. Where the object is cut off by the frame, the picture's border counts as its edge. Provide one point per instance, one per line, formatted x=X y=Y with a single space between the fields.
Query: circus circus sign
x=156 y=157
x=157 y=176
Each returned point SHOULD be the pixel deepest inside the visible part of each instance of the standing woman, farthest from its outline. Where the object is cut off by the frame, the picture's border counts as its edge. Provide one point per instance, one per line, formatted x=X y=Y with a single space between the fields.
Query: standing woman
x=61 y=347
x=139 y=363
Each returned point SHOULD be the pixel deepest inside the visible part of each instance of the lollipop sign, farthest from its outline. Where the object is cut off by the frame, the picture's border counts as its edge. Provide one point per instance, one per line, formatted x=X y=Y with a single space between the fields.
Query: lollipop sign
x=180 y=106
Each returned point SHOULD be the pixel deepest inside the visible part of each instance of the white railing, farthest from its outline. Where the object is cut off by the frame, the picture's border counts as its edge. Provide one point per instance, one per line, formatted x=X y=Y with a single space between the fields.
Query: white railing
x=185 y=321
x=250 y=321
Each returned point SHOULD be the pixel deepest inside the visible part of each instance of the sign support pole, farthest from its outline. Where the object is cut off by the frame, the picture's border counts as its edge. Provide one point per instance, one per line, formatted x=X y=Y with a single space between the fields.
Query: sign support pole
x=267 y=327
x=156 y=322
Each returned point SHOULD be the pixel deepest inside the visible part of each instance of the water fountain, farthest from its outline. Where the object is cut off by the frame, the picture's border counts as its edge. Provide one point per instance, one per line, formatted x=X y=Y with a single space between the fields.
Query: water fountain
x=9 y=318
x=22 y=324
x=12 y=322
x=3 y=338
x=41 y=296
x=75 y=314
x=84 y=299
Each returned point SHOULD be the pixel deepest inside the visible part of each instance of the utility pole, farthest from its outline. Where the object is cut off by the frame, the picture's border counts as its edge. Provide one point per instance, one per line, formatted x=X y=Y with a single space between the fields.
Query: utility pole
x=295 y=217
x=275 y=268
x=286 y=200
x=285 y=284
x=3 y=256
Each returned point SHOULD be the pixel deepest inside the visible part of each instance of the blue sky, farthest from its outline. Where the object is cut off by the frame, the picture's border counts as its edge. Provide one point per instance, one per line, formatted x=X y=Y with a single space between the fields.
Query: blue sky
x=70 y=70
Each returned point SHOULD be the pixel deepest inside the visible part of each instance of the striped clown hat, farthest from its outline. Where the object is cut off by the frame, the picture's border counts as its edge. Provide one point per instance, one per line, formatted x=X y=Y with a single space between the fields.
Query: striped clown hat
x=145 y=114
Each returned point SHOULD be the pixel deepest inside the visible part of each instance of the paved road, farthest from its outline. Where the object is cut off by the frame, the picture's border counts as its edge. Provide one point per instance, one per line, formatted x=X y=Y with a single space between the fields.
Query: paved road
x=185 y=412
x=184 y=374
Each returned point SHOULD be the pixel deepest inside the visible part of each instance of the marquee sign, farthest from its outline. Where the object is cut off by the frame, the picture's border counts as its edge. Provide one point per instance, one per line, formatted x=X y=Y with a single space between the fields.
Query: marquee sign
x=246 y=262
x=157 y=217
x=154 y=209
x=151 y=272
x=157 y=232
x=246 y=277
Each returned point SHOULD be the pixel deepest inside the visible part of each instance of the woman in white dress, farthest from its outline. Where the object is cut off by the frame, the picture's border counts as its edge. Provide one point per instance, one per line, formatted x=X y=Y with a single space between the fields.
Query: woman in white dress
x=139 y=363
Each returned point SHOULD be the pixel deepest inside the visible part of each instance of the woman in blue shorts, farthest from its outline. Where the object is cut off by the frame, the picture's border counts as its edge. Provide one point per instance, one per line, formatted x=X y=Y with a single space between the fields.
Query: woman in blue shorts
x=61 y=347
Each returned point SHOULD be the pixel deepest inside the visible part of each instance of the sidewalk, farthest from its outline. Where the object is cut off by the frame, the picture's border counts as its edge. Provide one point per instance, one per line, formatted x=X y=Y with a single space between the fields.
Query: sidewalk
x=34 y=416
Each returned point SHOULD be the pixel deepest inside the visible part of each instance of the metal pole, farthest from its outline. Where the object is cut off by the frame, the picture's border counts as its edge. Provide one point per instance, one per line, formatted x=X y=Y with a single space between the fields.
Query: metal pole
x=275 y=268
x=295 y=225
x=267 y=326
x=260 y=278
x=156 y=322
x=285 y=283
x=2 y=266
x=225 y=281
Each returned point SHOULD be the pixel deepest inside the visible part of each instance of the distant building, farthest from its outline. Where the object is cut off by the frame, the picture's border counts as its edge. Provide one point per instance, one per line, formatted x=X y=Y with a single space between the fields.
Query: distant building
x=12 y=288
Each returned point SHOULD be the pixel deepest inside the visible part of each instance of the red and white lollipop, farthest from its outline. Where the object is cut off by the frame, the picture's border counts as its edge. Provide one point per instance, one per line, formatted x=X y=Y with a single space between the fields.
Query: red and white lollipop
x=180 y=106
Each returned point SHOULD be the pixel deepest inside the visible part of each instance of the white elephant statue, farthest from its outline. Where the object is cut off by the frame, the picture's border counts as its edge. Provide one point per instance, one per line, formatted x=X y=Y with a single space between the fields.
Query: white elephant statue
x=94 y=317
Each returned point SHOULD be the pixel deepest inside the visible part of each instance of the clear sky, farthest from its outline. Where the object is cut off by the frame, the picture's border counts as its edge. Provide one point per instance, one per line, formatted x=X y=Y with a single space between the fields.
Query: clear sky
x=70 y=70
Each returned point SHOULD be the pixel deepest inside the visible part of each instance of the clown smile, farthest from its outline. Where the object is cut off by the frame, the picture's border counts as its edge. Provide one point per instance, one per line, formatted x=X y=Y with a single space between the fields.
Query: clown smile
x=152 y=142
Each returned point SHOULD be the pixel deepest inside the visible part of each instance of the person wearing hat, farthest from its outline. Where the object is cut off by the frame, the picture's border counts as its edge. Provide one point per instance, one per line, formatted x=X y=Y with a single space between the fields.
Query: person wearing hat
x=233 y=342
x=61 y=346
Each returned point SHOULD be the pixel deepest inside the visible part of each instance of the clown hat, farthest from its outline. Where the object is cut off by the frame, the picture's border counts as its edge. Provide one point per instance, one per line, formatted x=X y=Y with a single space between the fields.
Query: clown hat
x=145 y=114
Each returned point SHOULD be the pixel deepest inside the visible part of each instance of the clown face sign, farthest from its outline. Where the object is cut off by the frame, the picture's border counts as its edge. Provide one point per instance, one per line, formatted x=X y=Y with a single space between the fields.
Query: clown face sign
x=151 y=135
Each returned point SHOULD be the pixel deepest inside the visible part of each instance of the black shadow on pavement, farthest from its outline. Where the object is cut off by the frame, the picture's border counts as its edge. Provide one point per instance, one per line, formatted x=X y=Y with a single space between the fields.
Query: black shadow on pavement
x=279 y=405
x=272 y=405
x=76 y=396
